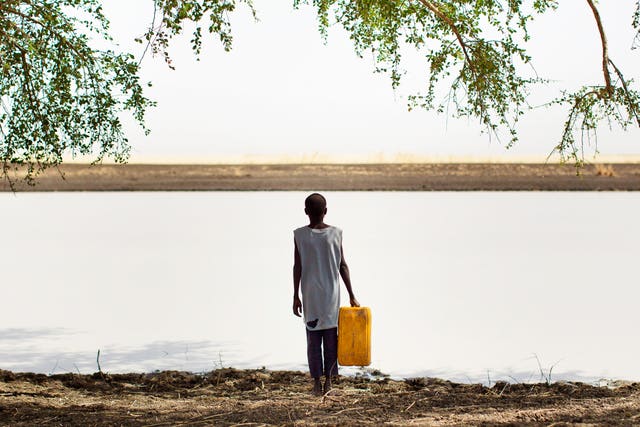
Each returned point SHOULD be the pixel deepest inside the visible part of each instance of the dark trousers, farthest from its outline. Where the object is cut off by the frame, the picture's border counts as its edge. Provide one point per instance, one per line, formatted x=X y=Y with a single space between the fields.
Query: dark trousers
x=328 y=340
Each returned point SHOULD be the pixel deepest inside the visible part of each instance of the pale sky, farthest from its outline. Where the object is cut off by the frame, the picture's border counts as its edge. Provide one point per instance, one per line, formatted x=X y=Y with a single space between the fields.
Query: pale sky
x=283 y=95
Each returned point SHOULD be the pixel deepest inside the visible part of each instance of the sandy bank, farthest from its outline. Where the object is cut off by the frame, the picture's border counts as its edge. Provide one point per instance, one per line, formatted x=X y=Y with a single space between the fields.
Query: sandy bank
x=333 y=177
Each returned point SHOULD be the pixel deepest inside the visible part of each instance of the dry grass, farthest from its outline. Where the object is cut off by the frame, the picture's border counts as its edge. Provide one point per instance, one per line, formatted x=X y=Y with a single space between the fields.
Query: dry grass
x=604 y=170
x=259 y=397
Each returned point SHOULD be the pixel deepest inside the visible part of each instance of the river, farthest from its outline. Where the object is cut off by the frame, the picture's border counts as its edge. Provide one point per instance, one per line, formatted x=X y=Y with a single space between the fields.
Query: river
x=469 y=286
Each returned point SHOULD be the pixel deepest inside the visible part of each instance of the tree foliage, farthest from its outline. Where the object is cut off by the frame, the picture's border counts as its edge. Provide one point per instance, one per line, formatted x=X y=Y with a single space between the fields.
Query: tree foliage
x=62 y=92
x=170 y=17
x=615 y=101
x=58 y=94
x=478 y=65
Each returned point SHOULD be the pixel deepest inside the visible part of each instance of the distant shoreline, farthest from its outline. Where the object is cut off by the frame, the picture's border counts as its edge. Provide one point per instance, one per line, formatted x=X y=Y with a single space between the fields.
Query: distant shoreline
x=338 y=177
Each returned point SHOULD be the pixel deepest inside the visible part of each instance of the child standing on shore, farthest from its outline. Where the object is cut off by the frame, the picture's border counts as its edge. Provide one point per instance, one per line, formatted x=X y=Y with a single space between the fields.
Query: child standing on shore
x=318 y=265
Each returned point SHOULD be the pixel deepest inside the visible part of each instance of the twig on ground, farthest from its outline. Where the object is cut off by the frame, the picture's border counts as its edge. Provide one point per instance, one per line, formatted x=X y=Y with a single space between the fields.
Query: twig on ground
x=347 y=410
x=327 y=397
x=503 y=389
x=194 y=421
x=248 y=424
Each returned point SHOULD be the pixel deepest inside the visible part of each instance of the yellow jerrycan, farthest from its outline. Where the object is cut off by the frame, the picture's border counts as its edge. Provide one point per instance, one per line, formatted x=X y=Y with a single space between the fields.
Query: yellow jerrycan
x=354 y=336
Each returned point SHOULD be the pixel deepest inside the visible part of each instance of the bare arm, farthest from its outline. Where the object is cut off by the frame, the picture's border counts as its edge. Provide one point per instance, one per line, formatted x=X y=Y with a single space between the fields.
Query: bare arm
x=297 y=274
x=346 y=278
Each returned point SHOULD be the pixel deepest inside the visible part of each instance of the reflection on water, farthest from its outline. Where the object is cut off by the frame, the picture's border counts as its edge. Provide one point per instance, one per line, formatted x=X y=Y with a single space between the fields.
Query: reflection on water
x=466 y=286
x=36 y=350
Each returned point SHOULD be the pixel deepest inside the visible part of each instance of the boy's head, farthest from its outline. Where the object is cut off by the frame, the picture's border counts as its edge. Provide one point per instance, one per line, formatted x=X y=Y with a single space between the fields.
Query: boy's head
x=315 y=205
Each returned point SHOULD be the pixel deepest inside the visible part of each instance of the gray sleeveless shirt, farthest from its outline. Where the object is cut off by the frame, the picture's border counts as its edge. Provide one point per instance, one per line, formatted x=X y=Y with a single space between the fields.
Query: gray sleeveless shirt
x=320 y=255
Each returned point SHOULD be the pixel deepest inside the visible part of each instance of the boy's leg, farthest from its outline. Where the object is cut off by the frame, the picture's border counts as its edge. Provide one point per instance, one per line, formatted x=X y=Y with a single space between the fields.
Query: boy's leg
x=330 y=345
x=314 y=357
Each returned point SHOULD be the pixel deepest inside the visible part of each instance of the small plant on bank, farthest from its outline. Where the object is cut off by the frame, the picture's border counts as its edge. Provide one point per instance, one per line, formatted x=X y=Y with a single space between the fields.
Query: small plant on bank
x=545 y=376
x=604 y=170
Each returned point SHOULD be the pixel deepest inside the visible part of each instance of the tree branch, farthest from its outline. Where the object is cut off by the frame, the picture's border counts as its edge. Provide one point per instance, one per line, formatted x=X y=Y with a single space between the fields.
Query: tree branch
x=49 y=29
x=433 y=8
x=631 y=105
x=151 y=33
x=605 y=49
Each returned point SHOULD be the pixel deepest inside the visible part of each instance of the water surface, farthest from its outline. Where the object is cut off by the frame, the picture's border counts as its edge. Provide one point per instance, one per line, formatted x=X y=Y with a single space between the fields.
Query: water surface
x=467 y=286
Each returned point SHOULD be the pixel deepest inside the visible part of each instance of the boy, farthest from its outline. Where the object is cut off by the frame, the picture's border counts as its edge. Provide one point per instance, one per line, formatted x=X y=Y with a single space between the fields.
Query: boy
x=318 y=265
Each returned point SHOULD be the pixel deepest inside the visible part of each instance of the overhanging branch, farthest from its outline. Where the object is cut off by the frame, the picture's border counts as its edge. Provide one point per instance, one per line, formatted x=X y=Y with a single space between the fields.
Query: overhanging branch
x=433 y=8
x=633 y=108
x=605 y=49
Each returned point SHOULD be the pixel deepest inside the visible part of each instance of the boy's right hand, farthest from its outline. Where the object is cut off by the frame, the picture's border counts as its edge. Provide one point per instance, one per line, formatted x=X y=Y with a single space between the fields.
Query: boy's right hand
x=297 y=306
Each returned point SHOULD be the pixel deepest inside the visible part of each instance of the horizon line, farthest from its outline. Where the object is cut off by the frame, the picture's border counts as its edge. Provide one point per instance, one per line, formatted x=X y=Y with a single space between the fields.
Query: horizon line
x=354 y=159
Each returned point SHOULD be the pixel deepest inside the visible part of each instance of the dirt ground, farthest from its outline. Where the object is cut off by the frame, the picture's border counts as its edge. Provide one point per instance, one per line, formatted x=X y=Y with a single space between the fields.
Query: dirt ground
x=334 y=177
x=229 y=397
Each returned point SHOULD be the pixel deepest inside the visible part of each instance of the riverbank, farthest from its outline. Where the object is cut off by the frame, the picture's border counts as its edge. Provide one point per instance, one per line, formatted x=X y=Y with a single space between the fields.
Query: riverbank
x=338 y=177
x=260 y=397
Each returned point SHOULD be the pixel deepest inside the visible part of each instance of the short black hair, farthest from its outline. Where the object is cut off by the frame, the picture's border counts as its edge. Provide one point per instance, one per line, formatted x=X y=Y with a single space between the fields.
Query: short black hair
x=315 y=204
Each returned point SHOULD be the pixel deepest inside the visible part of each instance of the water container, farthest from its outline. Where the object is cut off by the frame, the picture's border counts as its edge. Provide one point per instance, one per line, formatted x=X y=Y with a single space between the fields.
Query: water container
x=354 y=336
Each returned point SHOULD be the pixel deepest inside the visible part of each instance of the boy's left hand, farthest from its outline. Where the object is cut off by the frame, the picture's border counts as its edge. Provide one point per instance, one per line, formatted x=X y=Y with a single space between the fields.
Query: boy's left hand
x=354 y=302
x=297 y=306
